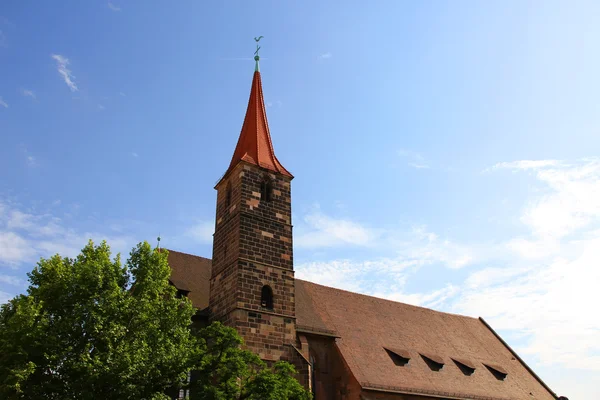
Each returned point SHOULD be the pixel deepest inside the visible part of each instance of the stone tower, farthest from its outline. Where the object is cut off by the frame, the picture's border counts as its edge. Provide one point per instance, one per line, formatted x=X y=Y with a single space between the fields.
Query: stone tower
x=252 y=281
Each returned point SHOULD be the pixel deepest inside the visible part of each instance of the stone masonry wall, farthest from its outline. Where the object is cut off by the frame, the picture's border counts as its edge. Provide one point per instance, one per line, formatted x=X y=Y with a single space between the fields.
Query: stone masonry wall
x=252 y=247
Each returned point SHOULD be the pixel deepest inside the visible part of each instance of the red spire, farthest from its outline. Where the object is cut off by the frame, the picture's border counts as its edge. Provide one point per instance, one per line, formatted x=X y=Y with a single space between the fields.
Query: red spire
x=254 y=145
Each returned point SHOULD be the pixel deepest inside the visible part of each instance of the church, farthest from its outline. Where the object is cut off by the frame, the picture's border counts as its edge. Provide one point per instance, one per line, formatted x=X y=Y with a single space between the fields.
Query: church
x=344 y=345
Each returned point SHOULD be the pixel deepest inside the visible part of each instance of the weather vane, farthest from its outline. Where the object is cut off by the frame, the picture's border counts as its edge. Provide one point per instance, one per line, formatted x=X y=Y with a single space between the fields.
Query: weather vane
x=256 y=56
x=257 y=39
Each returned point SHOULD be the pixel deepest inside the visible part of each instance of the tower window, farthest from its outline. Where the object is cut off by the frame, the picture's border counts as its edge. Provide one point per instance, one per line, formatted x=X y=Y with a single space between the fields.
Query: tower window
x=266 y=190
x=266 y=297
x=228 y=195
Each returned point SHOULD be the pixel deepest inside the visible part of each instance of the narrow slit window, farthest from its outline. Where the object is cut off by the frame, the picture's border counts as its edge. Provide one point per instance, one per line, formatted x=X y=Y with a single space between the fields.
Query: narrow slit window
x=434 y=362
x=266 y=297
x=399 y=357
x=496 y=370
x=313 y=386
x=266 y=190
x=228 y=195
x=465 y=366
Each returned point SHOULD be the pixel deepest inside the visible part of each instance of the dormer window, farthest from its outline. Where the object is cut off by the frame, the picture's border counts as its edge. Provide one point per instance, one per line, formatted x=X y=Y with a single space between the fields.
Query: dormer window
x=496 y=370
x=434 y=362
x=266 y=297
x=465 y=366
x=399 y=357
x=266 y=190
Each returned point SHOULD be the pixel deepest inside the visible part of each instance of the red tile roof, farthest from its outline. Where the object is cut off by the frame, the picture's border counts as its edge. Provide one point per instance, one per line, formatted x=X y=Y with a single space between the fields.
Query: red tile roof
x=364 y=327
x=254 y=144
x=368 y=325
x=191 y=273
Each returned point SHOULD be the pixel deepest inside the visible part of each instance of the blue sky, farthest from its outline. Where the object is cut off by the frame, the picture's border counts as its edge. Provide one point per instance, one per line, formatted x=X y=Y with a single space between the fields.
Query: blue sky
x=444 y=152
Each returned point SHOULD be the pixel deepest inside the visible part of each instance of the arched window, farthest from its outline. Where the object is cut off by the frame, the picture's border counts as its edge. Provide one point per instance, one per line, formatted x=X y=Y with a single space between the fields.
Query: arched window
x=228 y=195
x=266 y=189
x=266 y=297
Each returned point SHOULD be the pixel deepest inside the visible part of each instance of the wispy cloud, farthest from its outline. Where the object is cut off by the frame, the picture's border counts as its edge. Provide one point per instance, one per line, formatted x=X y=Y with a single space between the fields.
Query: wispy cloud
x=29 y=158
x=3 y=103
x=414 y=159
x=325 y=56
x=101 y=107
x=134 y=154
x=318 y=230
x=25 y=236
x=547 y=290
x=201 y=232
x=524 y=165
x=539 y=285
x=61 y=64
x=122 y=94
x=113 y=7
x=12 y=280
x=28 y=93
x=321 y=230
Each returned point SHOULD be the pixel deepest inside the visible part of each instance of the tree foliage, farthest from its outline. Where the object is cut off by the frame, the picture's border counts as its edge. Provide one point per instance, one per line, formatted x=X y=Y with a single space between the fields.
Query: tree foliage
x=84 y=331
x=226 y=371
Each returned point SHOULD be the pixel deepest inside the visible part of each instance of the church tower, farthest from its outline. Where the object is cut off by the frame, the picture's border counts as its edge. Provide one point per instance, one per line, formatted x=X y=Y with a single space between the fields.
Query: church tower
x=252 y=280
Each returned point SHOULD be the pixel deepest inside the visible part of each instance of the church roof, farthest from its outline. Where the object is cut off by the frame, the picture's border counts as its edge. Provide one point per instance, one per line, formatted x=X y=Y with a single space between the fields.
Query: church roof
x=369 y=327
x=472 y=361
x=254 y=144
x=192 y=274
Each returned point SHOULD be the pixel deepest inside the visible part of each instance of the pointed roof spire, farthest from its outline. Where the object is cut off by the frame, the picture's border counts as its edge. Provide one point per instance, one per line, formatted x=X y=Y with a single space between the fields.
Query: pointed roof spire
x=254 y=144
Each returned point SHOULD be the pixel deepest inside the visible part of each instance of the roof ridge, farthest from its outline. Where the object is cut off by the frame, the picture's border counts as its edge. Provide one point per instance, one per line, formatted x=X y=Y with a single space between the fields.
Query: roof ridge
x=389 y=301
x=187 y=254
x=514 y=353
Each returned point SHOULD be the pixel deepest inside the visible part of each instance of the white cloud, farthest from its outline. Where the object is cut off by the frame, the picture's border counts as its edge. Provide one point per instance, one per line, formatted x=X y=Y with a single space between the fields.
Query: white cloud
x=414 y=159
x=4 y=297
x=61 y=64
x=524 y=164
x=3 y=103
x=432 y=299
x=101 y=107
x=357 y=276
x=134 y=154
x=113 y=7
x=26 y=236
x=548 y=291
x=12 y=280
x=321 y=230
x=122 y=94
x=325 y=56
x=540 y=290
x=14 y=249
x=28 y=93
x=201 y=232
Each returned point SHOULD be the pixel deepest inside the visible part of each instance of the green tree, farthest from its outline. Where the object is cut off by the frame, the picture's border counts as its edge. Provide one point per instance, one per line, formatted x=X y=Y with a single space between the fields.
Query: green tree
x=224 y=370
x=83 y=331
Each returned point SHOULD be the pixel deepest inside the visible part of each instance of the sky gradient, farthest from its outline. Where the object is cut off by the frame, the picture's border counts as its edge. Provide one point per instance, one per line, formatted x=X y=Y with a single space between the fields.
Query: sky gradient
x=445 y=154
